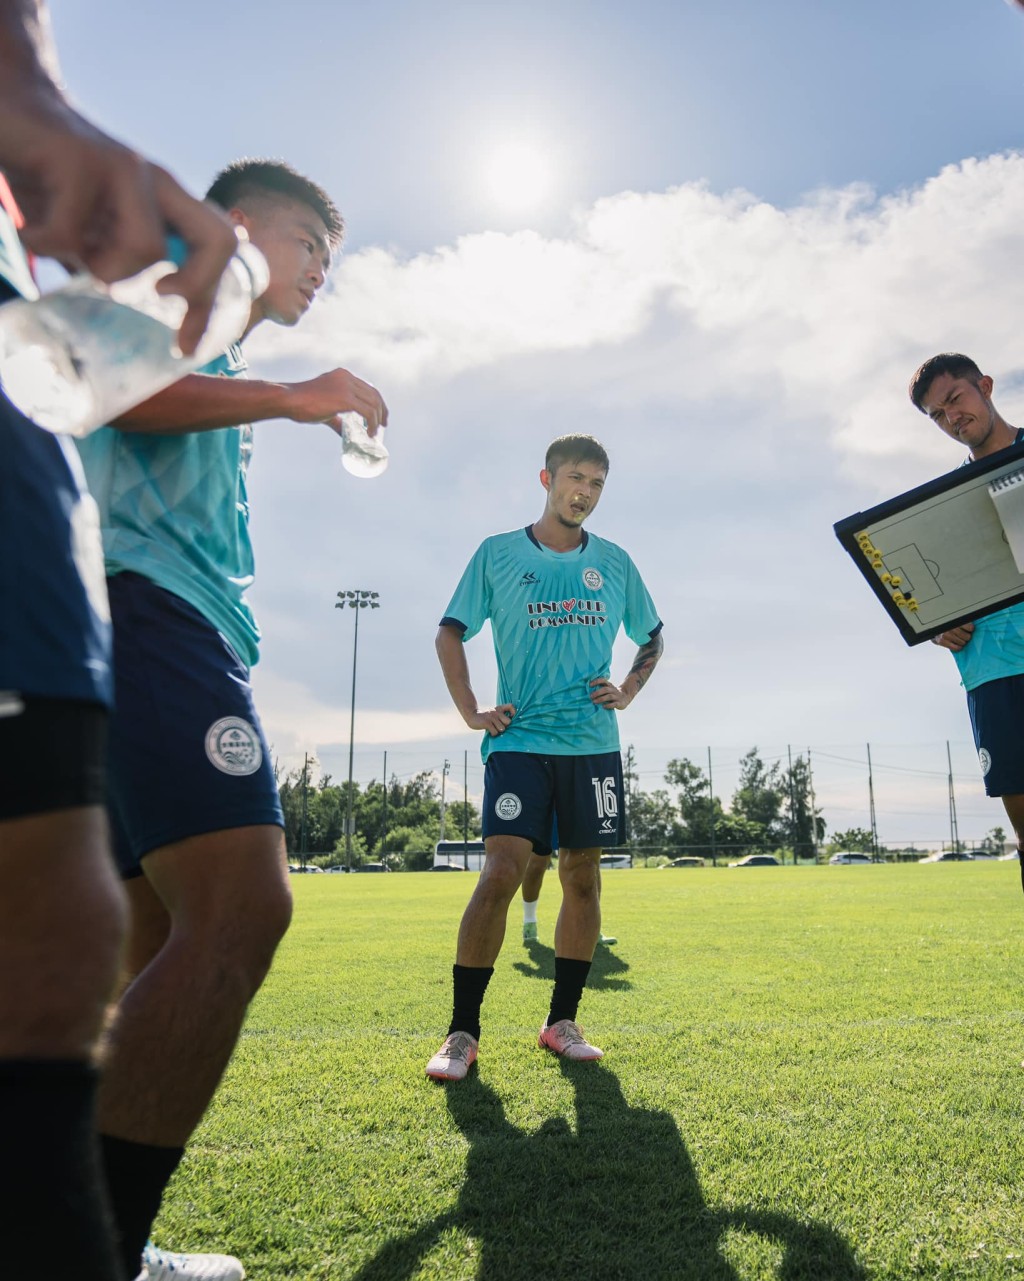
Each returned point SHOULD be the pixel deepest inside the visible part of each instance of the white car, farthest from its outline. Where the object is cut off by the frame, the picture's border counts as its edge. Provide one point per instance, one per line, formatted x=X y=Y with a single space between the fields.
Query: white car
x=616 y=860
x=851 y=857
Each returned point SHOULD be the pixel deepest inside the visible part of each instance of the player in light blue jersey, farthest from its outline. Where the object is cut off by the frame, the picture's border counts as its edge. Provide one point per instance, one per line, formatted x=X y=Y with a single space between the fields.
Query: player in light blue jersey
x=953 y=392
x=197 y=821
x=555 y=597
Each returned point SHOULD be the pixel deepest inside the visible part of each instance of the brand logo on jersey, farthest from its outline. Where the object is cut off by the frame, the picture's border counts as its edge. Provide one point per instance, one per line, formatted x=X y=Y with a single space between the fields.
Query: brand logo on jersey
x=984 y=760
x=593 y=580
x=557 y=613
x=508 y=806
x=233 y=746
x=528 y=579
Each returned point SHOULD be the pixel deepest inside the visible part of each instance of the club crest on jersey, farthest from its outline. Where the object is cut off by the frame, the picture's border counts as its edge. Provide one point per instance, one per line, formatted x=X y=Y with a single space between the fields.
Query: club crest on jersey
x=233 y=746
x=508 y=806
x=592 y=580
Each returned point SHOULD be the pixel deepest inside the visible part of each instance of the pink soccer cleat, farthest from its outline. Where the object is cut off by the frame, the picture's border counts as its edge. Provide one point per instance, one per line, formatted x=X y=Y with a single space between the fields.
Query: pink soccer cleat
x=454 y=1059
x=566 y=1039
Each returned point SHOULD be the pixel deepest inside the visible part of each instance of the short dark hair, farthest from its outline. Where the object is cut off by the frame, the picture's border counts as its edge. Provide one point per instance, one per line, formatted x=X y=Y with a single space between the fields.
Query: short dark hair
x=575 y=449
x=954 y=363
x=257 y=179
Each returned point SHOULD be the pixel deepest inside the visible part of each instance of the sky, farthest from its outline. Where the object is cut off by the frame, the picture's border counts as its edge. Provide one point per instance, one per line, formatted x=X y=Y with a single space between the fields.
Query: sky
x=718 y=237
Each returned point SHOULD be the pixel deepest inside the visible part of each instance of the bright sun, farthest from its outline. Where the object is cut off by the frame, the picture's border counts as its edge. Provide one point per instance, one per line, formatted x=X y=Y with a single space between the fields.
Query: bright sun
x=517 y=176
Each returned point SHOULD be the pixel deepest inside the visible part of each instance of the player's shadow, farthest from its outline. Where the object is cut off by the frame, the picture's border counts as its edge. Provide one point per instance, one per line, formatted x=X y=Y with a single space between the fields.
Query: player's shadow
x=618 y=1200
x=604 y=971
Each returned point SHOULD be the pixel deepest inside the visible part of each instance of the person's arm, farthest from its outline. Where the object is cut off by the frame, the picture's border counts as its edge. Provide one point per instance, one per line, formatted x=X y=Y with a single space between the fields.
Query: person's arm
x=89 y=201
x=619 y=697
x=956 y=638
x=205 y=402
x=451 y=654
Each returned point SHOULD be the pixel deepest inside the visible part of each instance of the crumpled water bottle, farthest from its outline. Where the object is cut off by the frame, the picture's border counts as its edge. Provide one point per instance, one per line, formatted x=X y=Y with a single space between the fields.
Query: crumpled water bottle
x=82 y=355
x=362 y=454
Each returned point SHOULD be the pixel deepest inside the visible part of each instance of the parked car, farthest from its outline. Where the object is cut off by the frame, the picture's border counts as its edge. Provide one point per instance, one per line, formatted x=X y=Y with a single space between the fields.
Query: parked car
x=687 y=860
x=757 y=860
x=616 y=860
x=296 y=869
x=447 y=867
x=372 y=867
x=851 y=857
x=947 y=856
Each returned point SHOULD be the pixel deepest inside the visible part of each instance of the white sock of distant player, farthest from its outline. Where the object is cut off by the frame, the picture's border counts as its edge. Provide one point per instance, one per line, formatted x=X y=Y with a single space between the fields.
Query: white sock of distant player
x=530 y=912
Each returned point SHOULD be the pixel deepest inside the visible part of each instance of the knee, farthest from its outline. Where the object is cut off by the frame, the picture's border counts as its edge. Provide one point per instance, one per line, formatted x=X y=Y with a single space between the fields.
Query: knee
x=500 y=880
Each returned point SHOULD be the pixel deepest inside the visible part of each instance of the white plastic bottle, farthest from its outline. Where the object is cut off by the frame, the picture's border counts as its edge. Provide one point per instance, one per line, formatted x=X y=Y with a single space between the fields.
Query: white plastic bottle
x=362 y=454
x=85 y=353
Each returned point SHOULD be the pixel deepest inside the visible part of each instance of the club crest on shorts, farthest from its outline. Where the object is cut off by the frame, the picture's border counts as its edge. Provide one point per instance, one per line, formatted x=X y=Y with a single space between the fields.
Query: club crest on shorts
x=984 y=760
x=233 y=746
x=593 y=580
x=508 y=806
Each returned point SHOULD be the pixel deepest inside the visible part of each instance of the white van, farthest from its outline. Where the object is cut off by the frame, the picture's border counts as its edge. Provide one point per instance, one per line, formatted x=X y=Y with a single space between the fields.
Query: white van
x=467 y=854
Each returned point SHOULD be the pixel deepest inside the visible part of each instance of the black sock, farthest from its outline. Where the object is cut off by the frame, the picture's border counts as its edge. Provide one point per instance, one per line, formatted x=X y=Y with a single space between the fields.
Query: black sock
x=137 y=1174
x=570 y=980
x=469 y=983
x=51 y=1182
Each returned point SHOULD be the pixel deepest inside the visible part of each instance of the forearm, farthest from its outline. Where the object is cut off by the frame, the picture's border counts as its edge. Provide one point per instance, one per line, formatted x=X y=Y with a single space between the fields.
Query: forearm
x=28 y=57
x=205 y=402
x=643 y=665
x=451 y=654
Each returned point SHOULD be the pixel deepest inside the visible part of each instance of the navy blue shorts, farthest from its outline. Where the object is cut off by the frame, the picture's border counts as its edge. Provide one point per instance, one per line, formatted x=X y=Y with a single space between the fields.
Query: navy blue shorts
x=187 y=753
x=997 y=715
x=526 y=793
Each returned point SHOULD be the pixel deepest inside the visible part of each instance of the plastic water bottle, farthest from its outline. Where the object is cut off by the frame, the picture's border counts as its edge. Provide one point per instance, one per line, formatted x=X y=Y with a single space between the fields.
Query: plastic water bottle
x=362 y=454
x=79 y=357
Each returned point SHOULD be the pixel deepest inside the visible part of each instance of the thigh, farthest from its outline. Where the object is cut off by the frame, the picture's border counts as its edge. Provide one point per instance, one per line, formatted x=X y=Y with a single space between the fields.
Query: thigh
x=589 y=801
x=188 y=755
x=519 y=798
x=997 y=715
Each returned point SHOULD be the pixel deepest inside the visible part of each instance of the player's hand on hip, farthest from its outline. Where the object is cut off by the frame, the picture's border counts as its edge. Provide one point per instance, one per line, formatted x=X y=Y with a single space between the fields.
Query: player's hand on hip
x=956 y=638
x=606 y=694
x=495 y=720
x=94 y=204
x=325 y=398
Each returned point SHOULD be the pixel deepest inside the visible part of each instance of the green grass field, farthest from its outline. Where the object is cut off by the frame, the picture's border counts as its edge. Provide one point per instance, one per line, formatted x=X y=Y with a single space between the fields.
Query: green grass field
x=809 y=1073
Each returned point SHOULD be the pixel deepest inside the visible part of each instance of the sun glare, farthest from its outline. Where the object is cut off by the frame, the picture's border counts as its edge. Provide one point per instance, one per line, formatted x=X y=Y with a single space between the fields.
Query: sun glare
x=517 y=176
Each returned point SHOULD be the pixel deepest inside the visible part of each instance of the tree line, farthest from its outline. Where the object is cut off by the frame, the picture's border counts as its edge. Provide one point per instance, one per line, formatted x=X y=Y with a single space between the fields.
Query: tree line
x=399 y=822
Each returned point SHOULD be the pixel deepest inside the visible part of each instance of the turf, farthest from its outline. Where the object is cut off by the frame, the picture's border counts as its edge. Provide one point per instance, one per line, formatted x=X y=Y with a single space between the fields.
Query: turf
x=809 y=1073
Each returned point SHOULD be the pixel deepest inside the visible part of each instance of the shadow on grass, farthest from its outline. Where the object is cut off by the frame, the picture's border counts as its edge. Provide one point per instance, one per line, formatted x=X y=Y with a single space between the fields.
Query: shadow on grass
x=604 y=971
x=618 y=1200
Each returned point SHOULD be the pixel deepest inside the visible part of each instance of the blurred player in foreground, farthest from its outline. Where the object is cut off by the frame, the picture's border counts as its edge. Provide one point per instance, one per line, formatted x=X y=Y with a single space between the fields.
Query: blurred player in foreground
x=555 y=597
x=198 y=830
x=92 y=203
x=957 y=397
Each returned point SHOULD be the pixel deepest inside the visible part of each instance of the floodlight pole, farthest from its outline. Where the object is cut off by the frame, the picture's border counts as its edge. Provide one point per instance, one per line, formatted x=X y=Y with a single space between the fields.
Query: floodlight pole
x=356 y=600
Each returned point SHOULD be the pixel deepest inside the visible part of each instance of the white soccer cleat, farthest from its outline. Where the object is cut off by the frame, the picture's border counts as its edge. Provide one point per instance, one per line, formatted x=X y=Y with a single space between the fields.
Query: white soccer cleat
x=160 y=1265
x=454 y=1059
x=565 y=1038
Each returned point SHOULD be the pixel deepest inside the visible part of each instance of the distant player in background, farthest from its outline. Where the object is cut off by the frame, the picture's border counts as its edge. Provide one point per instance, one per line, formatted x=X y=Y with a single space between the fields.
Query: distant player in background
x=555 y=597
x=90 y=202
x=957 y=397
x=533 y=880
x=197 y=819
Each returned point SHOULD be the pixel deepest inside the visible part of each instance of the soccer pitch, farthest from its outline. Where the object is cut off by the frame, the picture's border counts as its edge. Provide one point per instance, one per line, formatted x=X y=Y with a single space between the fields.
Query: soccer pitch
x=809 y=1073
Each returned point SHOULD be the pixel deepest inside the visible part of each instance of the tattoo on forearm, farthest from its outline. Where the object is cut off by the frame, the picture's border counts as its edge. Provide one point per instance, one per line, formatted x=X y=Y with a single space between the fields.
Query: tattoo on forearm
x=646 y=660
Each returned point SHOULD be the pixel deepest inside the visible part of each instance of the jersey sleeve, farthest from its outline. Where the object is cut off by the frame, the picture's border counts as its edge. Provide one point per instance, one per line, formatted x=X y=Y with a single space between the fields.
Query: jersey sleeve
x=640 y=620
x=469 y=607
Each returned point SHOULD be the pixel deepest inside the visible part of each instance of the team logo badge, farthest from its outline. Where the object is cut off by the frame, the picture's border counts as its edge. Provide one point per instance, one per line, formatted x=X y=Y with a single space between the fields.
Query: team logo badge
x=984 y=760
x=233 y=746
x=593 y=580
x=508 y=806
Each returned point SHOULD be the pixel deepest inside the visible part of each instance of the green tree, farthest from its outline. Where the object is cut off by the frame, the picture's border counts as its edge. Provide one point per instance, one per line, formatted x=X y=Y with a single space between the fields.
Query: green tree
x=854 y=838
x=995 y=841
x=802 y=827
x=760 y=795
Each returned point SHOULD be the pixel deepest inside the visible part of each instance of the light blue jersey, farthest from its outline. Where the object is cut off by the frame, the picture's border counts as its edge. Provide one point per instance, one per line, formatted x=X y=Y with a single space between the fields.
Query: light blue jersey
x=554 y=617
x=175 y=510
x=995 y=650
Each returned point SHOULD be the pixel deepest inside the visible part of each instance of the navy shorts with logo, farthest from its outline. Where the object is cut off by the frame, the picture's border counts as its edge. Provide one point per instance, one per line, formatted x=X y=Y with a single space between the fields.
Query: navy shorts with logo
x=187 y=753
x=526 y=794
x=997 y=715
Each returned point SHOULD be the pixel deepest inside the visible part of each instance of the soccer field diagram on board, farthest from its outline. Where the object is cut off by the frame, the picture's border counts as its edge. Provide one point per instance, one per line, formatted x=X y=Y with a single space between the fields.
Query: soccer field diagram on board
x=938 y=555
